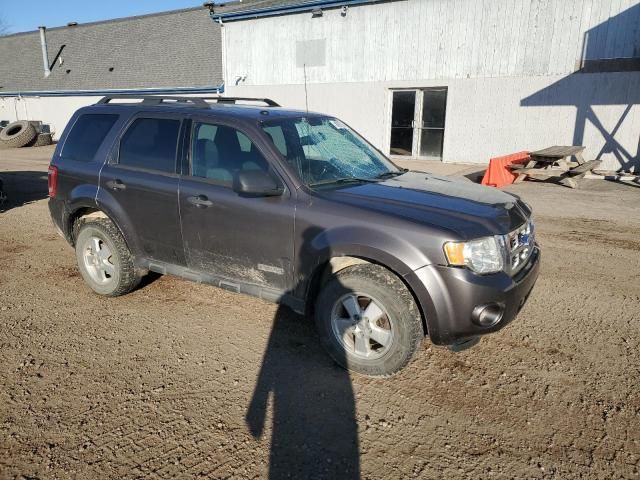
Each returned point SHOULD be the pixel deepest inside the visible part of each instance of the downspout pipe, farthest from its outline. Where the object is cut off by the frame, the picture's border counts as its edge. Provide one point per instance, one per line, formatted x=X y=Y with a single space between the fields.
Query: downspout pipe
x=45 y=53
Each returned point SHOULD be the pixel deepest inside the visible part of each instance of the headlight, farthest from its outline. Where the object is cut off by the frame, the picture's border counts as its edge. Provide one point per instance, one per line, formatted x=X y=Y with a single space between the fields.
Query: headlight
x=484 y=255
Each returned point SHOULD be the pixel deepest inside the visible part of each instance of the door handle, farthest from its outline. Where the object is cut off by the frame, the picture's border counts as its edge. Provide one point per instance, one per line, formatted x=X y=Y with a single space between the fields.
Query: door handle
x=116 y=184
x=200 y=201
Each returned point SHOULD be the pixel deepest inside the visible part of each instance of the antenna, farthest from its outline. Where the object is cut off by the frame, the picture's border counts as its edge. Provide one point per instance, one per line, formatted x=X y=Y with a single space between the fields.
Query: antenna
x=306 y=120
x=306 y=96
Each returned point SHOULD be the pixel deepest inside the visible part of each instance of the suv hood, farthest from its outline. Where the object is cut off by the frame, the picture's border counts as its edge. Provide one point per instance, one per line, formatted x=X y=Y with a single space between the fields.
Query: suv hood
x=460 y=206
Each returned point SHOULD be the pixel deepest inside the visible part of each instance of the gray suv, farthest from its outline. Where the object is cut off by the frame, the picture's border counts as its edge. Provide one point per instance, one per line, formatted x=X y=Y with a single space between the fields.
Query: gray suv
x=292 y=207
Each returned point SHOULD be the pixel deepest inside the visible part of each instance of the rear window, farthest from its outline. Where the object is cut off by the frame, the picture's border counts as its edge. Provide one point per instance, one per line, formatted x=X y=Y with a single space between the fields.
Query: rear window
x=87 y=135
x=150 y=143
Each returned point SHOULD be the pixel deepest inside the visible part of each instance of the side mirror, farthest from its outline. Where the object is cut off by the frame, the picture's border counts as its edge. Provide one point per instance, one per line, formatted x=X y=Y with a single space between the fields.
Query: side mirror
x=256 y=183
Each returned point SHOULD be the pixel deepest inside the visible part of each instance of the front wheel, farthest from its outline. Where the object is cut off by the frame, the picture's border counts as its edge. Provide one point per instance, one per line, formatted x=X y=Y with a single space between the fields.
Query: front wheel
x=368 y=321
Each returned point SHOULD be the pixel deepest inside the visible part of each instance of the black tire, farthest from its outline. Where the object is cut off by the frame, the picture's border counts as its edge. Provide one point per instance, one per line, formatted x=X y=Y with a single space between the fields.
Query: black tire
x=400 y=313
x=18 y=134
x=124 y=277
x=42 y=140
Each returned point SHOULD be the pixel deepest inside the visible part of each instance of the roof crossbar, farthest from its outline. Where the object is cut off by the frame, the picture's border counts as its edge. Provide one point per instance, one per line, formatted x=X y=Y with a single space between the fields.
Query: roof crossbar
x=186 y=101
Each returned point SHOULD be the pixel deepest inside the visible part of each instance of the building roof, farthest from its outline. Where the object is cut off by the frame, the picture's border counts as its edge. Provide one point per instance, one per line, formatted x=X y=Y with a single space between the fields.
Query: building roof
x=251 y=5
x=248 y=9
x=177 y=49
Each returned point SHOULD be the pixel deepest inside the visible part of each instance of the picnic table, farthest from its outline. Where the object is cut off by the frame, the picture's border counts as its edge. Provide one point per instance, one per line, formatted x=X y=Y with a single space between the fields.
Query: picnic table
x=555 y=163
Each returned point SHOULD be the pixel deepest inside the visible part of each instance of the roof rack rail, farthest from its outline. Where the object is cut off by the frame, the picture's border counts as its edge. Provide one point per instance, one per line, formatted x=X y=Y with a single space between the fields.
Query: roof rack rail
x=186 y=101
x=156 y=100
x=267 y=101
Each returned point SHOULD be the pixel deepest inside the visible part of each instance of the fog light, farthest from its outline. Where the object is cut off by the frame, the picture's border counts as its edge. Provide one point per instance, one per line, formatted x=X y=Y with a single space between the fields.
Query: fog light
x=487 y=315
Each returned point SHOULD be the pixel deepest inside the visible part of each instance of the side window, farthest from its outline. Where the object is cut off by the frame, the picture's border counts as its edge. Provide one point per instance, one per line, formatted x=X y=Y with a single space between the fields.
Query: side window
x=277 y=137
x=219 y=153
x=245 y=143
x=87 y=135
x=150 y=143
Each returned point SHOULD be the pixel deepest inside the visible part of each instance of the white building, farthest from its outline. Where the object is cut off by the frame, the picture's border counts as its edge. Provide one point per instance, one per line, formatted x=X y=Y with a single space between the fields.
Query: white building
x=460 y=80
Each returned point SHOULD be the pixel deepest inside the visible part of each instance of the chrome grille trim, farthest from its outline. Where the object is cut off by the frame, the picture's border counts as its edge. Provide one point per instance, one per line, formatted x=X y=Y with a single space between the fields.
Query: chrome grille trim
x=520 y=244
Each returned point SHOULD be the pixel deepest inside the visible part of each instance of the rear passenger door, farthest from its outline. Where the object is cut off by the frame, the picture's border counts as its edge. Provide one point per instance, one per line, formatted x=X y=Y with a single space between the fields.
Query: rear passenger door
x=141 y=182
x=245 y=242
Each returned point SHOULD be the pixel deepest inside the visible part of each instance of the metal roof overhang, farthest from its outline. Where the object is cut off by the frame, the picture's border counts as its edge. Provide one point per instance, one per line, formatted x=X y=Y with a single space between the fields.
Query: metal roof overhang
x=304 y=6
x=120 y=91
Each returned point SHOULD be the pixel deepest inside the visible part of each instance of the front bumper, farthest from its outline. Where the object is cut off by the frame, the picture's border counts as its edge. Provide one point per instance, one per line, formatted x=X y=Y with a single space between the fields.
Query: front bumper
x=448 y=297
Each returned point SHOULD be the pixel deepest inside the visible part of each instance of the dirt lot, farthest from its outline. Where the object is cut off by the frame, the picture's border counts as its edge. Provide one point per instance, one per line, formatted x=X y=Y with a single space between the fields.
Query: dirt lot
x=179 y=380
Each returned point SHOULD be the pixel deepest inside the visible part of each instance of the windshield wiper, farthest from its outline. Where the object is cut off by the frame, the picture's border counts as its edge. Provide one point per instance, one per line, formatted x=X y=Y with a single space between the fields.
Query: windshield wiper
x=337 y=181
x=386 y=175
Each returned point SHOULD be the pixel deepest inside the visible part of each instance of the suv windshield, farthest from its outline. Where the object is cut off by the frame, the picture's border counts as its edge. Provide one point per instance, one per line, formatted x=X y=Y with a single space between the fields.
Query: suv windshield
x=325 y=151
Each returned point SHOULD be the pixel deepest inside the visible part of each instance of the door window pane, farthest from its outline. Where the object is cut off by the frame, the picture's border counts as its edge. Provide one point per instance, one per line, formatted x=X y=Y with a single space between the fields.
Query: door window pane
x=277 y=136
x=219 y=152
x=401 y=141
x=404 y=107
x=431 y=143
x=87 y=135
x=434 y=101
x=245 y=143
x=402 y=118
x=150 y=143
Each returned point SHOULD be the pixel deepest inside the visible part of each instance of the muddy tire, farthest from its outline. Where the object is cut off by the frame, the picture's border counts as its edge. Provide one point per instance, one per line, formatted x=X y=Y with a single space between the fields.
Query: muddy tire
x=104 y=260
x=18 y=134
x=368 y=320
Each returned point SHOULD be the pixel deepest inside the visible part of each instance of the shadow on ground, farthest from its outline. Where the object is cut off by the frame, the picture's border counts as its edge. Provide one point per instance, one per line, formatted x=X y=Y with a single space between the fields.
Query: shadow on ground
x=634 y=183
x=314 y=429
x=22 y=188
x=476 y=175
x=314 y=432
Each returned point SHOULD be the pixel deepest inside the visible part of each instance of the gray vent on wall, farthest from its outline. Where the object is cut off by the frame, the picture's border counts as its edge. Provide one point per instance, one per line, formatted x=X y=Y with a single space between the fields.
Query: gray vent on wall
x=311 y=53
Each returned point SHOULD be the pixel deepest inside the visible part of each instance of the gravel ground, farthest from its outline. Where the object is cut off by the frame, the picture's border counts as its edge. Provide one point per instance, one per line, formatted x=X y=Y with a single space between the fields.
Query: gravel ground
x=178 y=380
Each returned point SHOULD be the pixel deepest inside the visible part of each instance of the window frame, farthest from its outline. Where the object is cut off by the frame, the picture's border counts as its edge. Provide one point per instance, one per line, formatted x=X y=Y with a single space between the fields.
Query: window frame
x=115 y=160
x=216 y=121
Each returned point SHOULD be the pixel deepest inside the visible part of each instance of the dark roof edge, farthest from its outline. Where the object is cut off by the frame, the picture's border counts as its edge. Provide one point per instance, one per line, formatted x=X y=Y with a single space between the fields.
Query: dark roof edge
x=117 y=91
x=110 y=20
x=303 y=6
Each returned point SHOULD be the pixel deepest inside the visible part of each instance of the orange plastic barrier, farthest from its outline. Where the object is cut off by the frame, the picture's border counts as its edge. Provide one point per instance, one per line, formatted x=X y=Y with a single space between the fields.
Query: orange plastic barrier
x=498 y=174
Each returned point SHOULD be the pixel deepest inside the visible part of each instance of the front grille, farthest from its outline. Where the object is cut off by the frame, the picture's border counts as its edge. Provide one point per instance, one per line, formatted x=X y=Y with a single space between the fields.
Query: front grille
x=520 y=243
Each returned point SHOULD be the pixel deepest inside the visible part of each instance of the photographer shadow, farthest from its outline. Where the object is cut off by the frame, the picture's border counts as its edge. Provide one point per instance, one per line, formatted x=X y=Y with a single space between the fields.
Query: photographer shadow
x=314 y=432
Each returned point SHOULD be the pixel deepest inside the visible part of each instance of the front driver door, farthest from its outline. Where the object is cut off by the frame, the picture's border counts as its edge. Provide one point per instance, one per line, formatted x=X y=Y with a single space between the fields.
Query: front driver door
x=244 y=241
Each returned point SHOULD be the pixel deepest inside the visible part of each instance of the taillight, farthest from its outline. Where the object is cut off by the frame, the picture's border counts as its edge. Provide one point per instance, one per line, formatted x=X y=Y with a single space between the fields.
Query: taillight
x=52 y=180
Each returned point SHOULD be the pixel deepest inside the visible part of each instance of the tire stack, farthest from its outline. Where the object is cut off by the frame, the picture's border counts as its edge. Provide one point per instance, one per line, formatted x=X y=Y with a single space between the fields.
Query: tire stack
x=23 y=134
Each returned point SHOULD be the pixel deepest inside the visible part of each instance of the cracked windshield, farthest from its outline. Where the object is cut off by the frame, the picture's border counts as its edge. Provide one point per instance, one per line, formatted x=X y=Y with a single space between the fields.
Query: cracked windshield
x=325 y=151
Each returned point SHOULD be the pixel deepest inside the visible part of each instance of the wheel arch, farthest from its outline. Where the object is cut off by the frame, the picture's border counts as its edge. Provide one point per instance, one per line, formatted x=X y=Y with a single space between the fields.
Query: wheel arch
x=79 y=214
x=333 y=264
x=86 y=212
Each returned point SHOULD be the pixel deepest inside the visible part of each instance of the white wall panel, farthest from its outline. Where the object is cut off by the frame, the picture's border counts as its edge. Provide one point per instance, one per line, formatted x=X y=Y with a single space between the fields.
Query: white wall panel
x=435 y=39
x=54 y=111
x=489 y=117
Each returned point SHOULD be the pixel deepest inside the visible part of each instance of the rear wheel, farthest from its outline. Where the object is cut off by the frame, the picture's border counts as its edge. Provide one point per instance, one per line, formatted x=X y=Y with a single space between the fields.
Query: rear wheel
x=368 y=320
x=104 y=260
